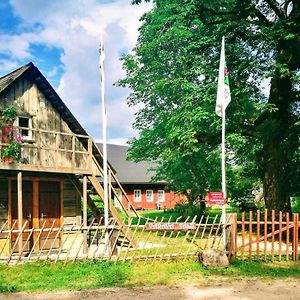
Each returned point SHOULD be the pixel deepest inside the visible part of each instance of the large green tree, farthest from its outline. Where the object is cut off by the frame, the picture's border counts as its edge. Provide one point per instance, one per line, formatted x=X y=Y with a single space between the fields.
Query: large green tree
x=173 y=77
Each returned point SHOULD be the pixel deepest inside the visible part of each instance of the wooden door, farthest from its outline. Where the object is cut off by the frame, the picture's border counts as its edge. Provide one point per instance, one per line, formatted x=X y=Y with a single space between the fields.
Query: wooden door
x=49 y=212
x=27 y=200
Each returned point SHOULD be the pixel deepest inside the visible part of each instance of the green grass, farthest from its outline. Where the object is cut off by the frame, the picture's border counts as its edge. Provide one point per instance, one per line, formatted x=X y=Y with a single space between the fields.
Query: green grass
x=172 y=215
x=87 y=275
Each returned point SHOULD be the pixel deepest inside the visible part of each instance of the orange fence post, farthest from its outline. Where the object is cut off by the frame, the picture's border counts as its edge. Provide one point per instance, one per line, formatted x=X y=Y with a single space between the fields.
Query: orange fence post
x=287 y=242
x=257 y=233
x=295 y=237
x=265 y=234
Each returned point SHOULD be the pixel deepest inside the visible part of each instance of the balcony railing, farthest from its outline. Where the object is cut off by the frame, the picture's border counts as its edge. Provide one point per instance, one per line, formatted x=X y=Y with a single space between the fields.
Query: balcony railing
x=45 y=150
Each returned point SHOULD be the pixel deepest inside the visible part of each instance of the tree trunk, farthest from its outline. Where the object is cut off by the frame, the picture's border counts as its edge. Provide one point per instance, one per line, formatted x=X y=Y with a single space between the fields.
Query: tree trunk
x=276 y=135
x=275 y=179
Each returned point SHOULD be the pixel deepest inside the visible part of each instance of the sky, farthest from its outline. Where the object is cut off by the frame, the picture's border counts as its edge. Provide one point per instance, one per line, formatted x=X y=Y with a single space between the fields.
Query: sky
x=62 y=39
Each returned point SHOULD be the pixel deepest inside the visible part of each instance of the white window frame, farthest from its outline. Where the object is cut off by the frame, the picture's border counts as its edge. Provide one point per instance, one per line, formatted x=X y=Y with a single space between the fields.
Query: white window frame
x=159 y=200
x=149 y=199
x=29 y=136
x=139 y=198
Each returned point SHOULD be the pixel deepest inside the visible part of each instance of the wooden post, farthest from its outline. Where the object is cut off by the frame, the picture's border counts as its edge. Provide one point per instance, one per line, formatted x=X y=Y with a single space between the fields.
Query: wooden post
x=85 y=196
x=20 y=210
x=295 y=237
x=36 y=212
x=257 y=234
x=230 y=235
x=90 y=154
x=73 y=152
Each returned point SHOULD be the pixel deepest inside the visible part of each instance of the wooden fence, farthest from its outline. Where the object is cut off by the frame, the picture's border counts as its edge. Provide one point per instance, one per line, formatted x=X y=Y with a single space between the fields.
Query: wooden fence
x=266 y=236
x=155 y=240
x=258 y=236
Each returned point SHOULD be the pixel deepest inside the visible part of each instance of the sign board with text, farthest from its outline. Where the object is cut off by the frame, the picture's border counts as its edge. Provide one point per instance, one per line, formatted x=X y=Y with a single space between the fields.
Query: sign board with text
x=170 y=226
x=215 y=198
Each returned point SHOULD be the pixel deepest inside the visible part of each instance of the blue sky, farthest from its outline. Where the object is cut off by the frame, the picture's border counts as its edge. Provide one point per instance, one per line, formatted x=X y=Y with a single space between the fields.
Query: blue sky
x=61 y=38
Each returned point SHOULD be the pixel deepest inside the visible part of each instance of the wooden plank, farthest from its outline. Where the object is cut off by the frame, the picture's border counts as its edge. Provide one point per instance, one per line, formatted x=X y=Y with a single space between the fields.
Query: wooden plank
x=243 y=234
x=20 y=209
x=280 y=235
x=257 y=234
x=265 y=234
x=35 y=212
x=287 y=242
x=113 y=210
x=273 y=236
x=295 y=237
x=250 y=234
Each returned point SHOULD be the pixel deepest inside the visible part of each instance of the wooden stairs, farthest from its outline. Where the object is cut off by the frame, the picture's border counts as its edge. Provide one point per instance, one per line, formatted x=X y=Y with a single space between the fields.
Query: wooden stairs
x=96 y=183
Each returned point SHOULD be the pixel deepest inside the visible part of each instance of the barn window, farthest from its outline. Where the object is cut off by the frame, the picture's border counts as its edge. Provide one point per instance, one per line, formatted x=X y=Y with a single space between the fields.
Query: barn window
x=137 y=196
x=149 y=195
x=26 y=123
x=161 y=196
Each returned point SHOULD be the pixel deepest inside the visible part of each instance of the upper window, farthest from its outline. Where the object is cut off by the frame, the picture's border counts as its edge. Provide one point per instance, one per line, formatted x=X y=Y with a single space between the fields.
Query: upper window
x=26 y=124
x=149 y=195
x=137 y=196
x=161 y=196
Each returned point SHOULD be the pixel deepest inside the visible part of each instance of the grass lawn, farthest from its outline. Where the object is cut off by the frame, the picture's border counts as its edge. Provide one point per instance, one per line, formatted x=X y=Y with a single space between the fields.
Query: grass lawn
x=172 y=215
x=87 y=275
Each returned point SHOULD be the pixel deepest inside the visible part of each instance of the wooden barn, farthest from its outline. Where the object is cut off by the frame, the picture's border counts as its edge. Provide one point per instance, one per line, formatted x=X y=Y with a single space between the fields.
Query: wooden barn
x=137 y=181
x=47 y=163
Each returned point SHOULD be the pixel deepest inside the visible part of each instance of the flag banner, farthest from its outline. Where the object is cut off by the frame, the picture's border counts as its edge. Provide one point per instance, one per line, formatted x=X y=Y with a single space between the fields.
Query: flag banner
x=223 y=94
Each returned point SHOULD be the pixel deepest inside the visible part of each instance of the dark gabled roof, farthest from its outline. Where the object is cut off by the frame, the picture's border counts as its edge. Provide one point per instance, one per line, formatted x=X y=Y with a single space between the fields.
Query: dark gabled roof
x=33 y=74
x=129 y=172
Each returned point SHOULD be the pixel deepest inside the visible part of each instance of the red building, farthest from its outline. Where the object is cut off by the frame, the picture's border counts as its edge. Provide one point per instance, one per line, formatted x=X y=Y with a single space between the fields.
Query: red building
x=136 y=179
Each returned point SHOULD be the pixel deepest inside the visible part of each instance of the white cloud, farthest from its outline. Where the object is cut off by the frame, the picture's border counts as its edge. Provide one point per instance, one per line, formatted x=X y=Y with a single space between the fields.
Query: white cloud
x=74 y=26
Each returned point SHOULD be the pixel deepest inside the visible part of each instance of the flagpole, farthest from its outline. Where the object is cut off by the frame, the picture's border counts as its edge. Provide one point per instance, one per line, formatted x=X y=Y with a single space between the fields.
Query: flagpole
x=104 y=142
x=223 y=176
x=223 y=99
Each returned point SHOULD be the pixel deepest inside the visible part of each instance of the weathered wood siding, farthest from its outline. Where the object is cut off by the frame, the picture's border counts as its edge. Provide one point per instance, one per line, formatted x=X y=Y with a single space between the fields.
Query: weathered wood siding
x=3 y=200
x=72 y=204
x=32 y=102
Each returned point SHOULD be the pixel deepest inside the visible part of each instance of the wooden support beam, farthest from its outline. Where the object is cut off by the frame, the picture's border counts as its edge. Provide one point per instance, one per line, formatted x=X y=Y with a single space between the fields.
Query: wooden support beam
x=35 y=213
x=20 y=209
x=85 y=197
x=84 y=213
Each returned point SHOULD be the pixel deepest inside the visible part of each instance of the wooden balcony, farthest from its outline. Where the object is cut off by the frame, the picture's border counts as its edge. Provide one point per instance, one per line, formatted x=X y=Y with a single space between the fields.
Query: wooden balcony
x=50 y=151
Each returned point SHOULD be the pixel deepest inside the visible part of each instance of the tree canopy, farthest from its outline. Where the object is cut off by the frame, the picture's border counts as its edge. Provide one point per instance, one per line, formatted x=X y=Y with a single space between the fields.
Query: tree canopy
x=173 y=74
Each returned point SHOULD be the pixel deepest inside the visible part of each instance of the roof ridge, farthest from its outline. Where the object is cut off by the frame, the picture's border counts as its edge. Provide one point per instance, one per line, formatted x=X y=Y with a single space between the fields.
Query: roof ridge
x=18 y=69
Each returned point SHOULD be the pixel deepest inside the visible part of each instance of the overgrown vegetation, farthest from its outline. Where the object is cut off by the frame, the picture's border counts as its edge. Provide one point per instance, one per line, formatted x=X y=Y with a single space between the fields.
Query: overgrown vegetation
x=172 y=75
x=87 y=275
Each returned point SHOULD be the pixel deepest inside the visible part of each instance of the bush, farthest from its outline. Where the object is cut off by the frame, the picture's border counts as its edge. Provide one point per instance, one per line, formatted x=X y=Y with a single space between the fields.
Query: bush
x=189 y=210
x=295 y=202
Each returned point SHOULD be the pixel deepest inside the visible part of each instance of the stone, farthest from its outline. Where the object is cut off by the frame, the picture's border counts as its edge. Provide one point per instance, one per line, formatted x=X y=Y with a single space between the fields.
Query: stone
x=212 y=258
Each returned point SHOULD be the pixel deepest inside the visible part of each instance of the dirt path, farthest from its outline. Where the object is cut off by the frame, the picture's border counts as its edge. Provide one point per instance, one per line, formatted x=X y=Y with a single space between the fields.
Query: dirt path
x=234 y=290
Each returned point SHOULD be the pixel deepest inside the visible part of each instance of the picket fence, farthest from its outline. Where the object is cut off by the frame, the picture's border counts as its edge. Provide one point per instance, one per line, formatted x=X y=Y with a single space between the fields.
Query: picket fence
x=152 y=240
x=266 y=236
x=255 y=236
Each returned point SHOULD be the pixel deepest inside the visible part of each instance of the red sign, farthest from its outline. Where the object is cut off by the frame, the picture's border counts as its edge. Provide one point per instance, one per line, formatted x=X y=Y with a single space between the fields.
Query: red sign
x=215 y=198
x=170 y=226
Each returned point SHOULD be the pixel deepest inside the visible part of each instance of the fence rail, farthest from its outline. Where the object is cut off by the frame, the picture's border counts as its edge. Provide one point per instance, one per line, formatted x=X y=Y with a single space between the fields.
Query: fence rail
x=259 y=236
x=267 y=236
x=95 y=241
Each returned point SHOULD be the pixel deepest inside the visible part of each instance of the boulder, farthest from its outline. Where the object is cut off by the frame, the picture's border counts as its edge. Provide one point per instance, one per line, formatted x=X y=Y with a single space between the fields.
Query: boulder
x=212 y=258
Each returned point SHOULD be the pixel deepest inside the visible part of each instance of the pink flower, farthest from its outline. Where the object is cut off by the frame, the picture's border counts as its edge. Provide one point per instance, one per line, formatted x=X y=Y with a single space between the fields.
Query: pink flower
x=18 y=139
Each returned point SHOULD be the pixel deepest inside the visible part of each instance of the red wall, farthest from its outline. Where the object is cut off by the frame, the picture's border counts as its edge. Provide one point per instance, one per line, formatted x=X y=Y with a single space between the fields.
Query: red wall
x=170 y=198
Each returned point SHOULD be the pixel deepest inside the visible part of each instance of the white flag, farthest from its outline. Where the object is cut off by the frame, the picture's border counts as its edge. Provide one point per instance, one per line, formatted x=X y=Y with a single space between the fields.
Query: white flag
x=223 y=94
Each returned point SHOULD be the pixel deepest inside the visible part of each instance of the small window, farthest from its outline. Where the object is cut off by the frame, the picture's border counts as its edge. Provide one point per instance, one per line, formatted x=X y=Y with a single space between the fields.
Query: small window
x=161 y=196
x=26 y=123
x=149 y=195
x=137 y=196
